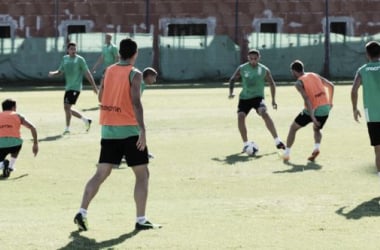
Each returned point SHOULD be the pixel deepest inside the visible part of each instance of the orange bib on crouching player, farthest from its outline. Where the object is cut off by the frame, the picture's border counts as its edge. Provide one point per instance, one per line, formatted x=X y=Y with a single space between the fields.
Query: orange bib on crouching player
x=10 y=123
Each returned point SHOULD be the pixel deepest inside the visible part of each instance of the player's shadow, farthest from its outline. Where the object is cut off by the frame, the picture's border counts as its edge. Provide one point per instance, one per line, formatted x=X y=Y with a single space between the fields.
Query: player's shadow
x=13 y=179
x=82 y=242
x=240 y=157
x=51 y=138
x=90 y=109
x=295 y=168
x=369 y=208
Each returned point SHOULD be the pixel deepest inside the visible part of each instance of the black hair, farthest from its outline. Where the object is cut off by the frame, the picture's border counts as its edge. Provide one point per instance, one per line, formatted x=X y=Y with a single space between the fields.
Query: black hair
x=71 y=44
x=127 y=48
x=8 y=104
x=297 y=66
x=149 y=72
x=373 y=49
x=254 y=52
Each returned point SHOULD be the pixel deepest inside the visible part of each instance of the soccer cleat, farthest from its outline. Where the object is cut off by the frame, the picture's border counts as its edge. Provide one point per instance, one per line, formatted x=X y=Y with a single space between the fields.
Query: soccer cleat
x=88 y=124
x=146 y=225
x=66 y=132
x=280 y=145
x=81 y=222
x=6 y=170
x=313 y=155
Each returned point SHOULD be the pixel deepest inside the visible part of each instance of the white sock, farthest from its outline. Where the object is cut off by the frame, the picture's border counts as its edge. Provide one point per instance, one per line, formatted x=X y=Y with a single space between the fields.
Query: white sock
x=83 y=212
x=141 y=219
x=287 y=151
x=67 y=129
x=246 y=143
x=277 y=140
x=12 y=162
x=316 y=146
x=84 y=119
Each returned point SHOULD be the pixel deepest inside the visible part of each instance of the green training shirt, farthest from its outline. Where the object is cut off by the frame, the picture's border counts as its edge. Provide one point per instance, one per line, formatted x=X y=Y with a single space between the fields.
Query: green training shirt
x=323 y=110
x=370 y=79
x=253 y=80
x=110 y=54
x=73 y=68
x=7 y=142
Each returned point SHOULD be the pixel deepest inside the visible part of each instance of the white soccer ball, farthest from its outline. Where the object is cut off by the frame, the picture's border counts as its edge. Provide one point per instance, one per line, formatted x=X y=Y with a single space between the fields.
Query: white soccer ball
x=252 y=149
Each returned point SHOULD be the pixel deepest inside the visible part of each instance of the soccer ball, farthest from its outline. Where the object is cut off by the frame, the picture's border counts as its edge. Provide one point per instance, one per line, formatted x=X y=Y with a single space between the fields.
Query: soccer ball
x=251 y=149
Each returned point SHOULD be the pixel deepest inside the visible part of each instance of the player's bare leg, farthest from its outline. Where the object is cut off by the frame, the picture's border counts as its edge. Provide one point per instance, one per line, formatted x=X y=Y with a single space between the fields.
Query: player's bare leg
x=67 y=108
x=270 y=126
x=290 y=139
x=243 y=130
x=317 y=141
x=377 y=157
x=242 y=126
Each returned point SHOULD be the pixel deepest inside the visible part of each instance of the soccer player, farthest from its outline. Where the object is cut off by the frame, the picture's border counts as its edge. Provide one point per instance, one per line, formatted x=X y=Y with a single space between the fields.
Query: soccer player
x=109 y=54
x=317 y=93
x=123 y=134
x=149 y=77
x=73 y=66
x=254 y=75
x=368 y=75
x=10 y=136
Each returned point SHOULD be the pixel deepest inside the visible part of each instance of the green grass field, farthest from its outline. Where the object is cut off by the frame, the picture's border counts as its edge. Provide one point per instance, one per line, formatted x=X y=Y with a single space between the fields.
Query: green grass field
x=202 y=190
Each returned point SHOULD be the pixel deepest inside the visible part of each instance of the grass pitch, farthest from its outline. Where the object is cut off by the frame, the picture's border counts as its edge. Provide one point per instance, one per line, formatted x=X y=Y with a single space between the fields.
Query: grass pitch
x=205 y=193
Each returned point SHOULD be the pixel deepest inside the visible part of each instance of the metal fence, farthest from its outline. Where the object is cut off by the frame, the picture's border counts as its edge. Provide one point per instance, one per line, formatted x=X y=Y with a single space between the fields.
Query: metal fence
x=189 y=58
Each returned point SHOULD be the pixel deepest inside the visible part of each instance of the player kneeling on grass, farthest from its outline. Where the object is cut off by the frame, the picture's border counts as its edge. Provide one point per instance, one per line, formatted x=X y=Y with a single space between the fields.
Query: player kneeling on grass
x=123 y=133
x=10 y=136
x=317 y=93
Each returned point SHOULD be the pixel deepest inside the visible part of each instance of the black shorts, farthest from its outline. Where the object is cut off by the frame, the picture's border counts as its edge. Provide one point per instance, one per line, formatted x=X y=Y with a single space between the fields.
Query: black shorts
x=246 y=105
x=303 y=119
x=374 y=132
x=113 y=150
x=71 y=97
x=11 y=150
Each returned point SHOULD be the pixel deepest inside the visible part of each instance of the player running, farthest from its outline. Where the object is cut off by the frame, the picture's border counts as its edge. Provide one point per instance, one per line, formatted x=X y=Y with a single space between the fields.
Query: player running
x=317 y=93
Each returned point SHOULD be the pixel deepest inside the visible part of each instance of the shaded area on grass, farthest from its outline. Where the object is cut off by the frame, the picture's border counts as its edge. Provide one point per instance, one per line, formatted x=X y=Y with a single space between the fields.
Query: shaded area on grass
x=15 y=178
x=369 y=208
x=51 y=138
x=90 y=109
x=299 y=167
x=82 y=242
x=240 y=157
x=59 y=136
